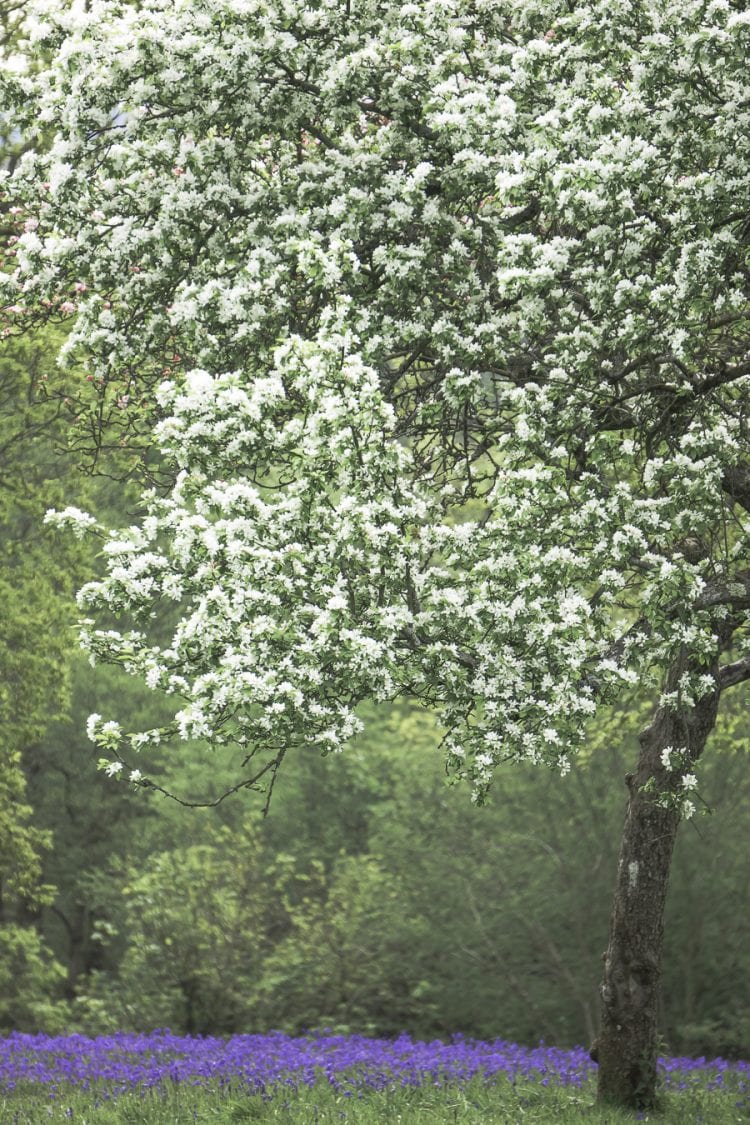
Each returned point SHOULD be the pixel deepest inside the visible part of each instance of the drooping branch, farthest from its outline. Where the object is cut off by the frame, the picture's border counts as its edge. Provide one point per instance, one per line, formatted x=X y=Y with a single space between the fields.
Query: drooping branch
x=248 y=783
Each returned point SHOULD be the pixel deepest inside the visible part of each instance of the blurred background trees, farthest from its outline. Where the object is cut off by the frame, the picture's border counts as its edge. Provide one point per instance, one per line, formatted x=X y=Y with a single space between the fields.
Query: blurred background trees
x=37 y=580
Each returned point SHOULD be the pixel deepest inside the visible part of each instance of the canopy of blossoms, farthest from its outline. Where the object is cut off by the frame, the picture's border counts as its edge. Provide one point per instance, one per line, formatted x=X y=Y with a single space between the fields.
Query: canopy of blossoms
x=442 y=312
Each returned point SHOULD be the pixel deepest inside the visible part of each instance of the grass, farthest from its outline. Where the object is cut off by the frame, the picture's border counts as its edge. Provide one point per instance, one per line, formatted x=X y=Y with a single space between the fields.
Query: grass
x=475 y=1102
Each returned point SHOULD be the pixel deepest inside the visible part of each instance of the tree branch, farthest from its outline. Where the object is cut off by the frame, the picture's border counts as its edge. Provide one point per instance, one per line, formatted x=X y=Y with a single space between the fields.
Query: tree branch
x=247 y=783
x=724 y=376
x=736 y=673
x=734 y=592
x=736 y=482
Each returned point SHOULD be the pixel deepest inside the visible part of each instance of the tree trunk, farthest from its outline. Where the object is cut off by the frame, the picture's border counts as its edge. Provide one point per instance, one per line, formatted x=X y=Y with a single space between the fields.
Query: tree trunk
x=626 y=1048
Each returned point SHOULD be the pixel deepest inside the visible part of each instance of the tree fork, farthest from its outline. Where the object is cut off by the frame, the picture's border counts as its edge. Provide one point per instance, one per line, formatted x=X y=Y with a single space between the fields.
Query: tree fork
x=626 y=1047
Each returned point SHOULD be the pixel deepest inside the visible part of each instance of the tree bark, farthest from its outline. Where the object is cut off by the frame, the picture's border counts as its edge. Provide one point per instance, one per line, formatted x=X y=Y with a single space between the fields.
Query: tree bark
x=626 y=1047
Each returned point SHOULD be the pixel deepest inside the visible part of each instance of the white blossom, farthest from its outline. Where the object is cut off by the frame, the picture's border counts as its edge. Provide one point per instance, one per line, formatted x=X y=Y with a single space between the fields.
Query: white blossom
x=77 y=520
x=444 y=325
x=92 y=726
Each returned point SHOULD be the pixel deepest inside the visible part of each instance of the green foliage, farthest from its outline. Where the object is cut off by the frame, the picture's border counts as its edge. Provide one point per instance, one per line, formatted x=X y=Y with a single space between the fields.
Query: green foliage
x=36 y=584
x=93 y=825
x=373 y=898
x=37 y=579
x=58 y=819
x=707 y=939
x=30 y=984
x=354 y=960
x=20 y=842
x=198 y=922
x=189 y=961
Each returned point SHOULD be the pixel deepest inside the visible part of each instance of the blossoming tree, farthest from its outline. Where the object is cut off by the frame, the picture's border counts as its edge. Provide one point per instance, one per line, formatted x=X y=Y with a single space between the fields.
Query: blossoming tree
x=443 y=309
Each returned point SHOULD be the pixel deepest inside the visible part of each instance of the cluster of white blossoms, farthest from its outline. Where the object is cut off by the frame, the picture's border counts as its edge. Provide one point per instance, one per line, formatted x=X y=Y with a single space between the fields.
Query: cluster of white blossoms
x=676 y=760
x=443 y=310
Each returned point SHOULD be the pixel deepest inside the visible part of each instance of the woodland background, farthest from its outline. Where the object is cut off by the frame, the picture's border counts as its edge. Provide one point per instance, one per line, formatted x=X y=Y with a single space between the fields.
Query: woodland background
x=372 y=897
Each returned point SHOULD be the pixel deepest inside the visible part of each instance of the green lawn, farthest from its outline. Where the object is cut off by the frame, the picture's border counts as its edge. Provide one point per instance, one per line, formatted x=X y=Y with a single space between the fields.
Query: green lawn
x=472 y=1103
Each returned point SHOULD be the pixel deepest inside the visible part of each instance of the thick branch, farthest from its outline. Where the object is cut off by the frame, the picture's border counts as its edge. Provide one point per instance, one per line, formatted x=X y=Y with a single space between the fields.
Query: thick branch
x=736 y=673
x=734 y=592
x=725 y=375
x=736 y=482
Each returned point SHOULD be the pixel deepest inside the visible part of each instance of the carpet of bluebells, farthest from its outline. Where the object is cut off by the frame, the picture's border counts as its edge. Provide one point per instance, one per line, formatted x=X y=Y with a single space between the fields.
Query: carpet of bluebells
x=274 y=1063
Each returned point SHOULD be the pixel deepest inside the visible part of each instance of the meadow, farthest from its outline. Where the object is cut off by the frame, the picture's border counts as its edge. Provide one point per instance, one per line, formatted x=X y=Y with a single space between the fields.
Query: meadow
x=165 y=1079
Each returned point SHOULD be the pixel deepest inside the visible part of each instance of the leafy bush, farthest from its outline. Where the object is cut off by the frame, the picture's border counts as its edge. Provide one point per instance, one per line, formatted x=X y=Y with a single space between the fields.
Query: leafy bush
x=31 y=983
